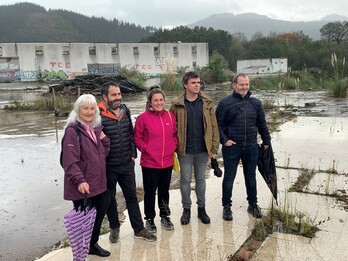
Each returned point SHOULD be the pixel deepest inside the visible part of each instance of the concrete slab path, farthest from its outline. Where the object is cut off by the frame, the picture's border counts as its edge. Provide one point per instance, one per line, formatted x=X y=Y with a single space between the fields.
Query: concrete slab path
x=313 y=143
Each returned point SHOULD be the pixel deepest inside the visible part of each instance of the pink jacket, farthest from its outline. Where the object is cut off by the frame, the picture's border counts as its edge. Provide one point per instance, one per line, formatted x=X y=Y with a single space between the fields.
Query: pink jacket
x=155 y=137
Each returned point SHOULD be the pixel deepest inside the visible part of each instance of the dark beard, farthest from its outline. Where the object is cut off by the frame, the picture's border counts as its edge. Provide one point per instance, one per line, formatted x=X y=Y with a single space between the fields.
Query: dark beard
x=113 y=105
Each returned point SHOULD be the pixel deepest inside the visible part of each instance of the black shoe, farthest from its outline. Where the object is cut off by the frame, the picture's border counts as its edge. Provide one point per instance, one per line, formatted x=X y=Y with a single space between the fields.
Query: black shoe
x=150 y=226
x=255 y=210
x=98 y=251
x=227 y=213
x=166 y=223
x=114 y=236
x=146 y=235
x=202 y=215
x=186 y=215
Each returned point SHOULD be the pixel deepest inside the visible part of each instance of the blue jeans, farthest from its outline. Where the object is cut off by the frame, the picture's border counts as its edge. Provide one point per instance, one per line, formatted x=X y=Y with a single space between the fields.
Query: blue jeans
x=232 y=155
x=199 y=164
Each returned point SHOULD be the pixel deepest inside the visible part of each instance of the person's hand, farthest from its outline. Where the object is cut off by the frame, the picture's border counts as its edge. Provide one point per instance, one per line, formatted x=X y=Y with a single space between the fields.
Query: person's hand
x=265 y=147
x=229 y=143
x=133 y=158
x=210 y=155
x=102 y=135
x=83 y=188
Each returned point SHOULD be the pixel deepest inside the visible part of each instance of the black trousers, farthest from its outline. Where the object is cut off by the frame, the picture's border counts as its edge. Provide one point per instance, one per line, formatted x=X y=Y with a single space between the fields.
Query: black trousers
x=123 y=175
x=97 y=202
x=156 y=179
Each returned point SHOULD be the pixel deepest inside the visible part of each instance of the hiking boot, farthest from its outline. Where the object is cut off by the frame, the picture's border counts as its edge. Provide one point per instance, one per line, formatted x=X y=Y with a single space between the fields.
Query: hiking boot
x=166 y=223
x=227 y=213
x=202 y=215
x=146 y=235
x=150 y=226
x=186 y=215
x=255 y=210
x=114 y=235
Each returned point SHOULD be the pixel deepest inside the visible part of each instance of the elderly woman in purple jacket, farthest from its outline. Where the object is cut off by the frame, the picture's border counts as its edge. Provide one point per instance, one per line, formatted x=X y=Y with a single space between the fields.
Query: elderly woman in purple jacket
x=84 y=150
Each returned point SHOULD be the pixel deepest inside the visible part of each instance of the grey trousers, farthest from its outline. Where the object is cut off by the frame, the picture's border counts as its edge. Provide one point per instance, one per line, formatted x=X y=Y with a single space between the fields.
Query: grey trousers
x=197 y=163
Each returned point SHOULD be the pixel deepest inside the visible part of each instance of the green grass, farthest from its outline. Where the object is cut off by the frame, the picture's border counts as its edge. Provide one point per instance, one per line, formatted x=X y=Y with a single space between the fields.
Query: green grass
x=339 y=88
x=170 y=82
x=42 y=103
x=302 y=181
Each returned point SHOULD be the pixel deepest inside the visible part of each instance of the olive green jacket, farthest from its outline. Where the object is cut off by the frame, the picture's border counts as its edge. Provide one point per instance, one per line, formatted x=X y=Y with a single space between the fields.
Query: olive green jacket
x=211 y=131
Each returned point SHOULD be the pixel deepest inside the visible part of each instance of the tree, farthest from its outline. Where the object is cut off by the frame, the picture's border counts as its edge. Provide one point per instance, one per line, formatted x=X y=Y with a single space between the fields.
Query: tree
x=218 y=40
x=217 y=67
x=335 y=32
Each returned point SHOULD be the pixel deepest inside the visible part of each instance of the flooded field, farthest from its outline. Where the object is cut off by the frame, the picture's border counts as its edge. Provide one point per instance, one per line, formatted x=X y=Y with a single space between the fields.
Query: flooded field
x=31 y=179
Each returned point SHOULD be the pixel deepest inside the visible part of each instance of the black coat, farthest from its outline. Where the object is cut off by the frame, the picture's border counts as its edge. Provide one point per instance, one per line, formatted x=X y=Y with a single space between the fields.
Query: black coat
x=120 y=132
x=240 y=119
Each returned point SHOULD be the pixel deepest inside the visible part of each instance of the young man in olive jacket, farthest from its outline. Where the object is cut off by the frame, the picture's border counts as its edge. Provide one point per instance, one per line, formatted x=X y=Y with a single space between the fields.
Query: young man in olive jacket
x=198 y=141
x=240 y=118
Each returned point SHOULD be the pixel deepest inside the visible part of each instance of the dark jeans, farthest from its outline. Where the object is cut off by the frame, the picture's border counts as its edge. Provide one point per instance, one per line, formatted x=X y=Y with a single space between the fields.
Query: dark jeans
x=232 y=155
x=123 y=175
x=154 y=179
x=97 y=202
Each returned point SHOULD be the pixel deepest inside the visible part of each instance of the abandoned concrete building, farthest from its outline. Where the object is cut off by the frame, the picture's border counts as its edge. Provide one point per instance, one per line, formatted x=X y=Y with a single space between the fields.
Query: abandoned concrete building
x=263 y=66
x=28 y=61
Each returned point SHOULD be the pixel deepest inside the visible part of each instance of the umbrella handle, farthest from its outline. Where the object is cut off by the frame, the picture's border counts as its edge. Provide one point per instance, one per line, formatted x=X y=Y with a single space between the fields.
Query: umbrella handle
x=85 y=200
x=85 y=203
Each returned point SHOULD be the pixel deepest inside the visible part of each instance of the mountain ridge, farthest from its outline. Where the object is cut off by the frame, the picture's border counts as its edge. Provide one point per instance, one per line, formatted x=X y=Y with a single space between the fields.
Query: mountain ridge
x=250 y=23
x=27 y=22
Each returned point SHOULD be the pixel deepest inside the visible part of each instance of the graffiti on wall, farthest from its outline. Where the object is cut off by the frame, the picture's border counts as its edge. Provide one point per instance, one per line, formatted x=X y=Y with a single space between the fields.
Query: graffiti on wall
x=51 y=75
x=100 y=69
x=59 y=65
x=28 y=75
x=164 y=64
x=10 y=74
x=9 y=68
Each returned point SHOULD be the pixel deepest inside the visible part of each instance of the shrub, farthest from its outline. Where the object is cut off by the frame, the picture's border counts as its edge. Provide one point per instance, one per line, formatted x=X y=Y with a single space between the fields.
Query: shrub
x=170 y=82
x=339 y=88
x=134 y=76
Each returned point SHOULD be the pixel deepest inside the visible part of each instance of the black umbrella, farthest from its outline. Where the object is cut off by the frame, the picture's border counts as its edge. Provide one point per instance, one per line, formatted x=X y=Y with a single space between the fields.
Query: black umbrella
x=266 y=167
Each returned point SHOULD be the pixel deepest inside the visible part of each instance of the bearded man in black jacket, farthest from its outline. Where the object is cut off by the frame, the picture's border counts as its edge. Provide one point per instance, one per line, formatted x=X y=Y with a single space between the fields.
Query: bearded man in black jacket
x=118 y=127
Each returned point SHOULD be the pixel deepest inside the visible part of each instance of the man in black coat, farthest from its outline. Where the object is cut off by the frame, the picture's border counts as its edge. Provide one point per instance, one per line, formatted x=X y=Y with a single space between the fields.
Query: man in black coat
x=240 y=118
x=118 y=127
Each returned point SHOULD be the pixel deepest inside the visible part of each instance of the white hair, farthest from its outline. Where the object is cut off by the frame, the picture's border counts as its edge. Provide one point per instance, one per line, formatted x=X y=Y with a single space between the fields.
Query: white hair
x=85 y=99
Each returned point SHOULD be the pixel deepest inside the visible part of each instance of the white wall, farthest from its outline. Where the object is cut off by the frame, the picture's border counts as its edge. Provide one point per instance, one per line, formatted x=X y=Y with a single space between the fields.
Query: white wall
x=41 y=57
x=263 y=66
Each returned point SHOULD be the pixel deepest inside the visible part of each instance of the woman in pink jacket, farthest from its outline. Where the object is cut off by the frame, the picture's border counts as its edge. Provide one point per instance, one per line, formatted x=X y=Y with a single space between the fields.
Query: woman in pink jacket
x=155 y=137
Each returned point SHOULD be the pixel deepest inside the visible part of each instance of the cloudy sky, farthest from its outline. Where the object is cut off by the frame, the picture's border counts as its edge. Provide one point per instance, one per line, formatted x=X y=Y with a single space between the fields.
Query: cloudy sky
x=182 y=12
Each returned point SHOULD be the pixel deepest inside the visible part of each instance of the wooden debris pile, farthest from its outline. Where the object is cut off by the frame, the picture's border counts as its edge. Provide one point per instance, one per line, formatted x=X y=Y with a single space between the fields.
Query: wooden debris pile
x=92 y=84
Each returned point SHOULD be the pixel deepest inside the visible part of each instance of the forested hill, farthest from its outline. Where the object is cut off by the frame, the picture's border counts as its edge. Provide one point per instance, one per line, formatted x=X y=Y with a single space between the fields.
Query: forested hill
x=26 y=22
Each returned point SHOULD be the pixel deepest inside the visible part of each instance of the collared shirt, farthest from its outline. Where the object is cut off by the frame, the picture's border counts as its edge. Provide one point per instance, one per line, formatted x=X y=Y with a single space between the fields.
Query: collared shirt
x=195 y=129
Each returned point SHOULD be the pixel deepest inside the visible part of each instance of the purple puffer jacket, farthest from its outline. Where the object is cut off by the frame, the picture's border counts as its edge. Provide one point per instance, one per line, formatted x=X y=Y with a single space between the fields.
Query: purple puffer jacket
x=84 y=161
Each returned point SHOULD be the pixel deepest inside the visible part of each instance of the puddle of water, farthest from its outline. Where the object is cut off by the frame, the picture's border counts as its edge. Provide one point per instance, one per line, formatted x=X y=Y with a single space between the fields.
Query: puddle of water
x=314 y=132
x=31 y=196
